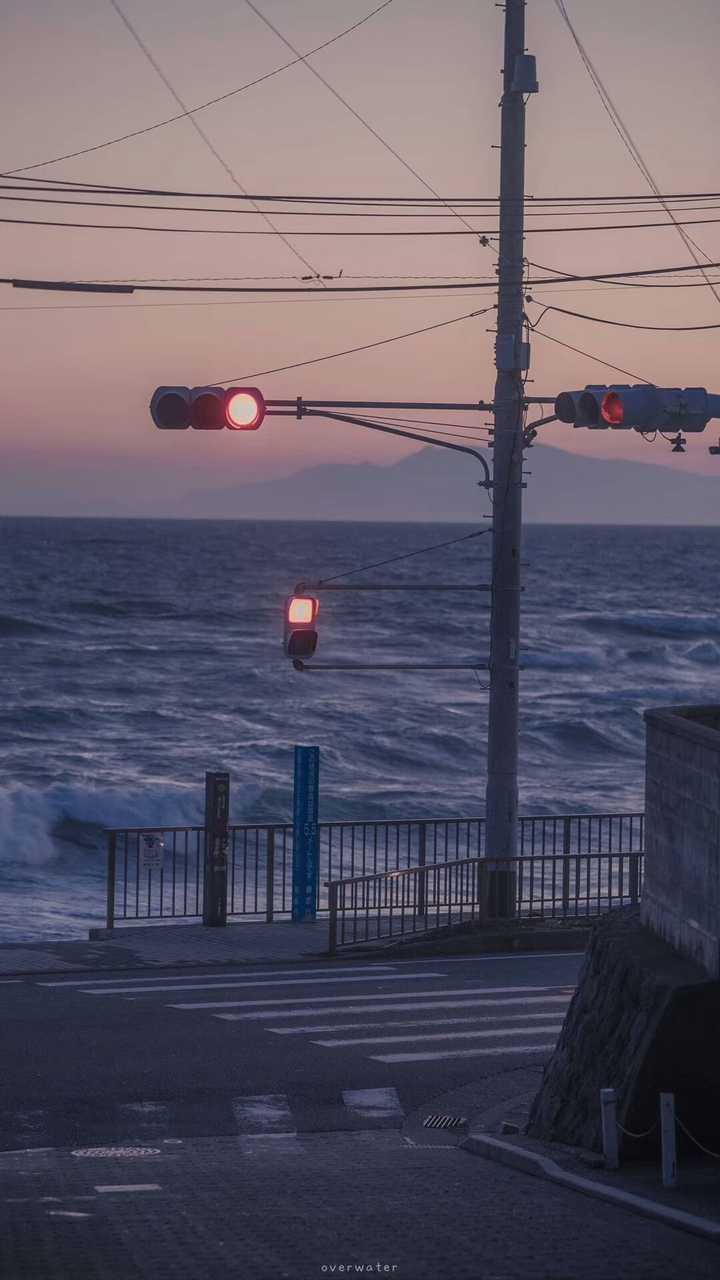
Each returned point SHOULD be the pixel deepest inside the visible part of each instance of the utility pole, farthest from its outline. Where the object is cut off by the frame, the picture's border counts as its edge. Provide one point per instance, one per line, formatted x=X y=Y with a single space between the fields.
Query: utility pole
x=511 y=360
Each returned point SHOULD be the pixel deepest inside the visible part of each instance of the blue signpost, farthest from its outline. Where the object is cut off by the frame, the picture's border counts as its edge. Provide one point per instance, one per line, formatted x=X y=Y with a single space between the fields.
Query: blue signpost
x=306 y=833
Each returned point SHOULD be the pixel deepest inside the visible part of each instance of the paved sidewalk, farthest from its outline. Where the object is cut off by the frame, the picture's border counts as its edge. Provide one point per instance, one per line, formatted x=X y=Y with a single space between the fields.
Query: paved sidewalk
x=161 y=946
x=308 y=1207
x=696 y=1196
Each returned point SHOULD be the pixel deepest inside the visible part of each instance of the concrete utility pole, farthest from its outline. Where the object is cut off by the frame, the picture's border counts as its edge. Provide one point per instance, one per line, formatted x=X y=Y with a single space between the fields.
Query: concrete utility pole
x=511 y=360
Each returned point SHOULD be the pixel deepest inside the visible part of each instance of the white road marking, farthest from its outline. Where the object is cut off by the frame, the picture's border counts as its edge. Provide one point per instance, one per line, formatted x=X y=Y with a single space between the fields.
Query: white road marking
x=9 y=982
x=547 y=1029
x=66 y=1213
x=91 y=980
x=420 y=1022
x=409 y=1006
x=373 y=1103
x=437 y=994
x=130 y=1186
x=286 y=982
x=263 y=1114
x=462 y=1053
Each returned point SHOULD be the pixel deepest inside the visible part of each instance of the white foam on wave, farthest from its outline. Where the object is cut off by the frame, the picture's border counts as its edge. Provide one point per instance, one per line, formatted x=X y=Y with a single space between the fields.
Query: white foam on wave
x=33 y=819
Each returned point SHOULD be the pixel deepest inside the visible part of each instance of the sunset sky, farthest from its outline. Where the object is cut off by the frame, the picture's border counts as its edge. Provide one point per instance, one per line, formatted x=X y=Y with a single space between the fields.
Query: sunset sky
x=78 y=371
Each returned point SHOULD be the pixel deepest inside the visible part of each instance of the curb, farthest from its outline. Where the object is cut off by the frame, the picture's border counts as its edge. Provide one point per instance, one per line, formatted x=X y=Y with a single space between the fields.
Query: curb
x=543 y=1167
x=570 y=940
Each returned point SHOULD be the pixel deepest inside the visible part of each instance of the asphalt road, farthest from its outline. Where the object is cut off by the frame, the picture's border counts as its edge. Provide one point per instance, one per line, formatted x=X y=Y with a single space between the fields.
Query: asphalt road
x=272 y=1049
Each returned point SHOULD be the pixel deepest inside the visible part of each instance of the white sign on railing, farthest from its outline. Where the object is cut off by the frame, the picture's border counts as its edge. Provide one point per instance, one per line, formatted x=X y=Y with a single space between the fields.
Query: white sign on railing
x=152 y=851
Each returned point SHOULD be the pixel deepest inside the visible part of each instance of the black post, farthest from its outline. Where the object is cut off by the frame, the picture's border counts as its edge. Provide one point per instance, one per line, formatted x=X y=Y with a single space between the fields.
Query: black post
x=217 y=810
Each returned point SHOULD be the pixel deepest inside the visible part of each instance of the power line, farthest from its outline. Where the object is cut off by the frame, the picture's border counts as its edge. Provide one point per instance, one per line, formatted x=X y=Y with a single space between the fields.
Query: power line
x=223 y=97
x=361 y=119
x=360 y=234
x=625 y=324
x=621 y=128
x=589 y=356
x=199 y=129
x=380 y=564
x=81 y=186
x=334 y=355
x=336 y=213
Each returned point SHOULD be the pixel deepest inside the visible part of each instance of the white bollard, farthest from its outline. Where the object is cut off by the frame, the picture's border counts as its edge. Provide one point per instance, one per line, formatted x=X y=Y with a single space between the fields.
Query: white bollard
x=608 y=1120
x=668 y=1139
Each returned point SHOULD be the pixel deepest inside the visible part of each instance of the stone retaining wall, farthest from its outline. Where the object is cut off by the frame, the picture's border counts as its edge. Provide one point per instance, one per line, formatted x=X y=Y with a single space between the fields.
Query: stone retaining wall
x=681 y=890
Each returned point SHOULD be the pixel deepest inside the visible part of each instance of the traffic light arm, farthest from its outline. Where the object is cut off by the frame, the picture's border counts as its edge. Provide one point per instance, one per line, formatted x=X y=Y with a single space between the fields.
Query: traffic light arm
x=409 y=435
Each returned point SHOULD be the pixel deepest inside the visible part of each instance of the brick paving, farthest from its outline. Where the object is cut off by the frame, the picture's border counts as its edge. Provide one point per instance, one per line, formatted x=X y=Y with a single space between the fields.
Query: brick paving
x=293 y=1209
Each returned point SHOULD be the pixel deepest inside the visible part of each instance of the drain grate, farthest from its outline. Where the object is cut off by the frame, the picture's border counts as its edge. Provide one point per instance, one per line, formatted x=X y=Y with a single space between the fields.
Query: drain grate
x=443 y=1122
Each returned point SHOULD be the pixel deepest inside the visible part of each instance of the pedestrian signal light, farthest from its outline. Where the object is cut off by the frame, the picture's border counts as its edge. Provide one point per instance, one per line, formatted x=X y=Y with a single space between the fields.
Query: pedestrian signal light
x=301 y=637
x=207 y=408
x=244 y=408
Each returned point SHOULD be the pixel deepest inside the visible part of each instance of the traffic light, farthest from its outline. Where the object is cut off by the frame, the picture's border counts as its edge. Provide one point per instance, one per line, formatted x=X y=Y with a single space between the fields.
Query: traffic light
x=638 y=408
x=207 y=408
x=301 y=637
x=569 y=407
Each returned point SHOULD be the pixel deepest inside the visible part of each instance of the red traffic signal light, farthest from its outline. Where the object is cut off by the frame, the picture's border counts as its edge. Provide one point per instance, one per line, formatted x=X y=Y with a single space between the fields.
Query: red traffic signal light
x=301 y=637
x=244 y=408
x=612 y=410
x=207 y=408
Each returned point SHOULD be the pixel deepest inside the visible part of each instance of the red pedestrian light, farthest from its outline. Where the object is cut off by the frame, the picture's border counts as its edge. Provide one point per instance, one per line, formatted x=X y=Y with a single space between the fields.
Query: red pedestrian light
x=244 y=408
x=301 y=637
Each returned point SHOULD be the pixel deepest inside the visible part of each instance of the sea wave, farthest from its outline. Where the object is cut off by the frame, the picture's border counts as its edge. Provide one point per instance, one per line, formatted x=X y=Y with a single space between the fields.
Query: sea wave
x=36 y=821
x=13 y=626
x=663 y=624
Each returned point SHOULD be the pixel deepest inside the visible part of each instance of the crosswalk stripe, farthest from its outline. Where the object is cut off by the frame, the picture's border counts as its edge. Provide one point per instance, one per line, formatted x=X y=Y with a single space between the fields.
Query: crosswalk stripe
x=462 y=1053
x=546 y=1029
x=456 y=991
x=407 y=1007
x=374 y=1104
x=91 y=980
x=214 y=985
x=425 y=1022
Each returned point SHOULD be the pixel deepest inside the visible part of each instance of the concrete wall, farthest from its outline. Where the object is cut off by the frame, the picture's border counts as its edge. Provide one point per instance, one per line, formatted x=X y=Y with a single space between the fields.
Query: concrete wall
x=681 y=889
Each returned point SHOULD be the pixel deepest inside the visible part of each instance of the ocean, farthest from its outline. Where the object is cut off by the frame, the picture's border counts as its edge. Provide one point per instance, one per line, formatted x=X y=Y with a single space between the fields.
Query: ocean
x=138 y=654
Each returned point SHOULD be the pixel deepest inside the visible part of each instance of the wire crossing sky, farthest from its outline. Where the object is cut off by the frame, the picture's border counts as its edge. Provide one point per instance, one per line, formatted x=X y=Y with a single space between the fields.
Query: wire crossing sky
x=367 y=137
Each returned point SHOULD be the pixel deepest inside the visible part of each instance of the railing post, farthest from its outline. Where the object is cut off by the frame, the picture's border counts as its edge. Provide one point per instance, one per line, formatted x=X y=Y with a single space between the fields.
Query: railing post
x=608 y=1122
x=332 y=904
x=634 y=877
x=566 y=865
x=483 y=891
x=422 y=854
x=270 y=875
x=668 y=1144
x=110 y=912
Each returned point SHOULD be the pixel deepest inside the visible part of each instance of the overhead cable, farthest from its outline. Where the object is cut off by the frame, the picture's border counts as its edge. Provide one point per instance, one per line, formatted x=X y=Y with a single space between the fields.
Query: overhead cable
x=589 y=356
x=336 y=213
x=200 y=131
x=202 y=106
x=334 y=355
x=361 y=119
x=626 y=324
x=622 y=130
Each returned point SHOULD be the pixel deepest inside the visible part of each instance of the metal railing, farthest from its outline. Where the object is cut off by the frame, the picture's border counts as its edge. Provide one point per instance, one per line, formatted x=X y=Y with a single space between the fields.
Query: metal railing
x=423 y=899
x=260 y=858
